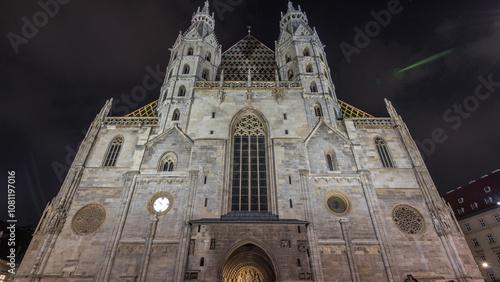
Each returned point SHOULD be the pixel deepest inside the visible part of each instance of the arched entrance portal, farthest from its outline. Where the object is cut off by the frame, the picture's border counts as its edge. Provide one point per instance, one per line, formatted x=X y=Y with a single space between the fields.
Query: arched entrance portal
x=248 y=263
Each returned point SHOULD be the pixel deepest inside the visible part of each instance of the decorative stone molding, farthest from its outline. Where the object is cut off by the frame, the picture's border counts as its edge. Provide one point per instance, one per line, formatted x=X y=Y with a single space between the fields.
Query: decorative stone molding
x=373 y=123
x=128 y=121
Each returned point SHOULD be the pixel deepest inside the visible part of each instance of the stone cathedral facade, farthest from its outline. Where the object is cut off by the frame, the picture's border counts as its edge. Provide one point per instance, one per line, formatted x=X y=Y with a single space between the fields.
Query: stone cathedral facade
x=248 y=168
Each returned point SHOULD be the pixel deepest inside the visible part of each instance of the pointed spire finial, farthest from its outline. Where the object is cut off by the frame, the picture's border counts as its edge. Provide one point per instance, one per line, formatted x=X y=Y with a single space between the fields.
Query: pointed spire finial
x=249 y=29
x=205 y=8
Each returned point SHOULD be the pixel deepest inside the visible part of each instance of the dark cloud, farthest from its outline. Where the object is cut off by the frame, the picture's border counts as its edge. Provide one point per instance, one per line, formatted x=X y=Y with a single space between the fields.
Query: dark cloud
x=92 y=51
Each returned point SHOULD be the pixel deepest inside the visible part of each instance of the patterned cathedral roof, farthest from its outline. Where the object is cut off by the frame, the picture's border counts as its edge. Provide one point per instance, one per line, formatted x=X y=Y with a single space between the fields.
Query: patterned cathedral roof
x=248 y=54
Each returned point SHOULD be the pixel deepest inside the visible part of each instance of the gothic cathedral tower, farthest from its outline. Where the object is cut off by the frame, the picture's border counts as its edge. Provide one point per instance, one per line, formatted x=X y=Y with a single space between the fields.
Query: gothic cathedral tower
x=248 y=168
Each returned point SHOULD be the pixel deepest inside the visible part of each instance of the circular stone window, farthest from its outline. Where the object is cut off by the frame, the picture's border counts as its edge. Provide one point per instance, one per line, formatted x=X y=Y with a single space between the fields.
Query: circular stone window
x=88 y=219
x=160 y=203
x=337 y=204
x=408 y=219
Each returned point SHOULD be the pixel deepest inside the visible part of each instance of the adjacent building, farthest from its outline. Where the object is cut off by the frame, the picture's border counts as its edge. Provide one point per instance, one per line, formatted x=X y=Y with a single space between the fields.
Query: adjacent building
x=248 y=168
x=477 y=209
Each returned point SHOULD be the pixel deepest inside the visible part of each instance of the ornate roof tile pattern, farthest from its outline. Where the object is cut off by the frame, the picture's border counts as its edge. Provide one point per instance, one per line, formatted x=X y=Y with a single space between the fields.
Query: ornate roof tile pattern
x=248 y=54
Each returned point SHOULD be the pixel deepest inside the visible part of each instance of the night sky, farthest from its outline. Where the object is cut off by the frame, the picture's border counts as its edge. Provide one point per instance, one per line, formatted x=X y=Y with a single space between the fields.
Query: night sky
x=57 y=74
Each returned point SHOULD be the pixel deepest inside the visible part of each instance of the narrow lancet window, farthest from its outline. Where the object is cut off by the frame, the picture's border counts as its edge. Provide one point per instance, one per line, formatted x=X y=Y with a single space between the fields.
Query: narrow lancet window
x=329 y=160
x=176 y=115
x=113 y=151
x=186 y=69
x=383 y=152
x=314 y=88
x=182 y=91
x=249 y=179
x=318 y=111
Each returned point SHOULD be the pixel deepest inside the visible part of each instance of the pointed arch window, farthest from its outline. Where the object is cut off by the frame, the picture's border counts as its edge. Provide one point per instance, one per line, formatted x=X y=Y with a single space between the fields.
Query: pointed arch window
x=383 y=152
x=176 y=115
x=314 y=87
x=290 y=74
x=190 y=51
x=249 y=177
x=288 y=57
x=309 y=68
x=204 y=74
x=318 y=111
x=168 y=162
x=306 y=52
x=113 y=151
x=186 y=69
x=182 y=91
x=330 y=158
x=208 y=56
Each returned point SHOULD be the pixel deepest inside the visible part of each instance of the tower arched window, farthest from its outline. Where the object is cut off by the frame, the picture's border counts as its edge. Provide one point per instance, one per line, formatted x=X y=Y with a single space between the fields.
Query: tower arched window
x=330 y=159
x=306 y=52
x=383 y=152
x=288 y=57
x=309 y=68
x=249 y=177
x=202 y=262
x=182 y=91
x=176 y=115
x=113 y=151
x=318 y=111
x=168 y=162
x=204 y=74
x=290 y=74
x=186 y=69
x=190 y=51
x=208 y=56
x=314 y=87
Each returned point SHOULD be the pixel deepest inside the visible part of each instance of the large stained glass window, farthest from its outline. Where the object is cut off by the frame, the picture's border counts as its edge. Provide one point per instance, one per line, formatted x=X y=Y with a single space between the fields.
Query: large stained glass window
x=249 y=187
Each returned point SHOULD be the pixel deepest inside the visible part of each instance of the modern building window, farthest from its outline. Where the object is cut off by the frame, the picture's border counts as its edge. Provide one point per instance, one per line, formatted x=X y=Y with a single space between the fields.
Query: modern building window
x=475 y=242
x=460 y=210
x=182 y=91
x=383 y=152
x=176 y=115
x=290 y=74
x=329 y=160
x=490 y=238
x=497 y=217
x=249 y=177
x=474 y=206
x=314 y=88
x=204 y=74
x=318 y=111
x=190 y=51
x=208 y=56
x=186 y=69
x=460 y=200
x=309 y=68
x=492 y=277
x=467 y=226
x=113 y=151
x=498 y=255
x=482 y=258
x=306 y=52
x=488 y=200
x=487 y=189
x=482 y=222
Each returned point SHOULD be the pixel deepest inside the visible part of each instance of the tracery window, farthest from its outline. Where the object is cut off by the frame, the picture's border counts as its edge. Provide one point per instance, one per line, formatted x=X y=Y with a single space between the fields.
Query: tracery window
x=306 y=52
x=113 y=151
x=176 y=115
x=186 y=69
x=249 y=181
x=383 y=152
x=204 y=74
x=182 y=91
x=314 y=88
x=309 y=68
x=190 y=51
x=318 y=111
x=168 y=162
